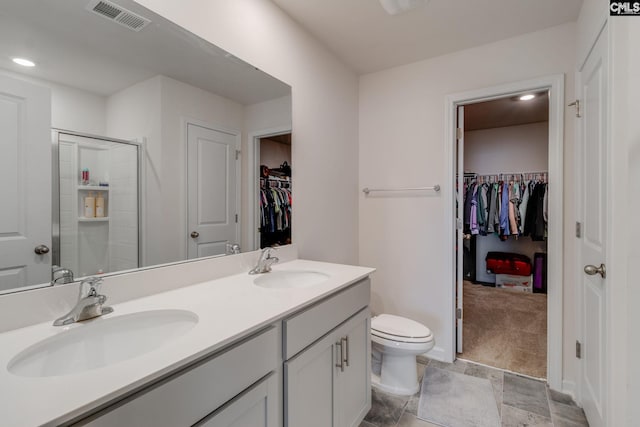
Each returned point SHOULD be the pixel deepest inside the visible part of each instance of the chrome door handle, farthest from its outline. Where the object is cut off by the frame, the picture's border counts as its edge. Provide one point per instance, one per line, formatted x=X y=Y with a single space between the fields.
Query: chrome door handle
x=41 y=249
x=592 y=270
x=195 y=234
x=340 y=356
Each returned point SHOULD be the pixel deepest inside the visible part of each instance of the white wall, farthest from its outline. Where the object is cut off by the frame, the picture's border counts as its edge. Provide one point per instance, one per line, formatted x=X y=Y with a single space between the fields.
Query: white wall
x=402 y=144
x=325 y=112
x=135 y=113
x=71 y=108
x=626 y=36
x=182 y=101
x=523 y=148
x=274 y=153
x=624 y=254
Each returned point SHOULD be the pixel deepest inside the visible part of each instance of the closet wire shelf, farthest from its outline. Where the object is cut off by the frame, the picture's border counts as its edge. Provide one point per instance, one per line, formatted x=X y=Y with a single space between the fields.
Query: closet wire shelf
x=368 y=190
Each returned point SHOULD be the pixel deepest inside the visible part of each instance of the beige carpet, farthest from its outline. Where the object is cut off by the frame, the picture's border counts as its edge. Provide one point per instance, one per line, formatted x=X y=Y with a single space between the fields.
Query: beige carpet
x=505 y=329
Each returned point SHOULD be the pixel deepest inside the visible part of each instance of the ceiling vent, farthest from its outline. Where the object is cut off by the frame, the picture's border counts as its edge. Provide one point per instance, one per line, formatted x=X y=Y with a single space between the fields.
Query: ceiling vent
x=122 y=16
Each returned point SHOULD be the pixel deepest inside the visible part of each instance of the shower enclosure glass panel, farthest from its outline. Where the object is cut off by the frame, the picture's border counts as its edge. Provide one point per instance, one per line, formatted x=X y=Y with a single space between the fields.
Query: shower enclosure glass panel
x=98 y=196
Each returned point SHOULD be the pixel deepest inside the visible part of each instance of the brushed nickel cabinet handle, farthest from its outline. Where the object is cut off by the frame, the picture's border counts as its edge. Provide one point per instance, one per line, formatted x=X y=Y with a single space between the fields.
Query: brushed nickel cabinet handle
x=340 y=357
x=346 y=351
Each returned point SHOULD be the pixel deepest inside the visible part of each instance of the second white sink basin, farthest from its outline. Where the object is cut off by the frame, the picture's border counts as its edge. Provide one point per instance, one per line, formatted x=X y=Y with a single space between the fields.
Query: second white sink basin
x=102 y=342
x=290 y=279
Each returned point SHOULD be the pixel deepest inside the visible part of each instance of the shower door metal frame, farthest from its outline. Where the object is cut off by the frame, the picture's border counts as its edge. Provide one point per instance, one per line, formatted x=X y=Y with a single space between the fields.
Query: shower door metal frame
x=55 y=187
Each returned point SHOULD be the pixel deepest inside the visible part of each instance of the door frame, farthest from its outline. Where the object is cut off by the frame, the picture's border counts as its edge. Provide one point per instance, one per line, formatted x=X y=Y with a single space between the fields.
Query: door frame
x=555 y=85
x=186 y=121
x=253 y=187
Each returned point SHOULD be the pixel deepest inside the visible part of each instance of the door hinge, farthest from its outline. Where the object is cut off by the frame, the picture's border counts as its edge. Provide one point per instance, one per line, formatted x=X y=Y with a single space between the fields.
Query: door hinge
x=236 y=218
x=576 y=103
x=578 y=350
x=458 y=223
x=459 y=313
x=237 y=154
x=578 y=229
x=459 y=133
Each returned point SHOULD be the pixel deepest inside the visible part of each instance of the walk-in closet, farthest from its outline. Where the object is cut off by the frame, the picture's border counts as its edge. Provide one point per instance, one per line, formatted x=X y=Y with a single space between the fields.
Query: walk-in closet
x=275 y=190
x=504 y=190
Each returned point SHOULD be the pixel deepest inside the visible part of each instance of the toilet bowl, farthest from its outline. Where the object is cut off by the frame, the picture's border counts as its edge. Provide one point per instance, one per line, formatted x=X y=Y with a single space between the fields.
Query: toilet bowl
x=396 y=341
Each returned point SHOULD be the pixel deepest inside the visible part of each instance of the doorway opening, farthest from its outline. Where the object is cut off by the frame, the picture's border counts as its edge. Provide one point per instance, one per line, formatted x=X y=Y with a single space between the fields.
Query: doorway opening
x=275 y=190
x=502 y=180
x=510 y=156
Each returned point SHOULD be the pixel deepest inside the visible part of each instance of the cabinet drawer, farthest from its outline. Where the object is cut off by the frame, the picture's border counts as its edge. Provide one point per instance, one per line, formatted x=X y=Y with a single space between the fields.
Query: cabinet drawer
x=255 y=407
x=305 y=327
x=187 y=397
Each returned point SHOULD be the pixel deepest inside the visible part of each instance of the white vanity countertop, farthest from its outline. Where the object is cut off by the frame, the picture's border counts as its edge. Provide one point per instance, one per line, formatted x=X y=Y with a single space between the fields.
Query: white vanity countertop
x=228 y=309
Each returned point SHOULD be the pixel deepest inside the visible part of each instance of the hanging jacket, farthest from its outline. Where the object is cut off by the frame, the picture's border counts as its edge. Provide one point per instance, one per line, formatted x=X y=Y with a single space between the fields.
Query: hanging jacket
x=504 y=209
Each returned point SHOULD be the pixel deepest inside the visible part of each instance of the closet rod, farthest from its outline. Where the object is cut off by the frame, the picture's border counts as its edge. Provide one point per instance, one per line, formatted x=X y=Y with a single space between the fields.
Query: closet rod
x=368 y=190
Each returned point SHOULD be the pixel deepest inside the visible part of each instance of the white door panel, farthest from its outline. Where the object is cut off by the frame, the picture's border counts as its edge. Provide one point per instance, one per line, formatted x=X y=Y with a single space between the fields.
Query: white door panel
x=25 y=174
x=593 y=170
x=211 y=182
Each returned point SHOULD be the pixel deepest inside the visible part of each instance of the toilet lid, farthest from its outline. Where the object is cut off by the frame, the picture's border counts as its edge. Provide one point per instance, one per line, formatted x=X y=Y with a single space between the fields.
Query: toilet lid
x=399 y=329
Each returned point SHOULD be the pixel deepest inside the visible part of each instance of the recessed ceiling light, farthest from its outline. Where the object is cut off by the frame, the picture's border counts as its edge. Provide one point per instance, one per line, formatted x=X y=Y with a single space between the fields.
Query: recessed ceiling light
x=24 y=62
x=395 y=7
x=527 y=97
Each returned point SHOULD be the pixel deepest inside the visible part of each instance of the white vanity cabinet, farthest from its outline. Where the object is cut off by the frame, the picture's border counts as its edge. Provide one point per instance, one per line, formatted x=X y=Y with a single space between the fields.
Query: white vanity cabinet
x=308 y=369
x=235 y=387
x=327 y=383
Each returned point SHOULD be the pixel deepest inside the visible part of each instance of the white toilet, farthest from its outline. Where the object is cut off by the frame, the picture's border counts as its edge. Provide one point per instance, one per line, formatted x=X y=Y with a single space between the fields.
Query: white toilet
x=396 y=341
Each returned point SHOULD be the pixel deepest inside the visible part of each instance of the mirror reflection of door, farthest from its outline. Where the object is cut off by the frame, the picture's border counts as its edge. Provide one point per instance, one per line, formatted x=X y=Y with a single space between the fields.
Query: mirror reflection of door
x=275 y=196
x=212 y=211
x=25 y=240
x=98 y=212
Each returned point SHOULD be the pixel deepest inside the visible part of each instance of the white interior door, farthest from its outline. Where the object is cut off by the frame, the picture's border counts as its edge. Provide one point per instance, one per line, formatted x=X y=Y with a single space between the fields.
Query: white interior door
x=593 y=169
x=211 y=181
x=25 y=189
x=459 y=229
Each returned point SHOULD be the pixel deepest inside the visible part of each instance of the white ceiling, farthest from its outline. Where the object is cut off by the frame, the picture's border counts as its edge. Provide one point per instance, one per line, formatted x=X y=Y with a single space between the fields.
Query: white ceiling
x=366 y=38
x=77 y=48
x=507 y=111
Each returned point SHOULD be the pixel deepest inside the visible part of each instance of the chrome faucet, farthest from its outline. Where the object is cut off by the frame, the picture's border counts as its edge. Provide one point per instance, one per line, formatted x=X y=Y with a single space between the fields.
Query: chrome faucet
x=89 y=305
x=264 y=262
x=61 y=275
x=233 y=249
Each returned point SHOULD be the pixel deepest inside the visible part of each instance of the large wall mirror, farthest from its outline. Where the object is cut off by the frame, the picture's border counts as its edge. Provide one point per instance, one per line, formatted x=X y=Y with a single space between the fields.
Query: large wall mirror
x=128 y=142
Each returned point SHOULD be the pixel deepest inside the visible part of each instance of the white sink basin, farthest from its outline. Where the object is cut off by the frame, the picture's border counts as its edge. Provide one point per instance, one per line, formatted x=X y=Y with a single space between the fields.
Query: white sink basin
x=102 y=342
x=290 y=279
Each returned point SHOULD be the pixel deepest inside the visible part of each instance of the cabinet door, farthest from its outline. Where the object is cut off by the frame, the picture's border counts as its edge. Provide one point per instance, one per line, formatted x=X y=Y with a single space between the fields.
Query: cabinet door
x=352 y=388
x=256 y=407
x=309 y=379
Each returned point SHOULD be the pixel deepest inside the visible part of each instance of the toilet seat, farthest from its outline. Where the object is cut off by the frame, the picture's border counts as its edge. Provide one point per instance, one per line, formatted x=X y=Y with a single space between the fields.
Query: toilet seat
x=400 y=329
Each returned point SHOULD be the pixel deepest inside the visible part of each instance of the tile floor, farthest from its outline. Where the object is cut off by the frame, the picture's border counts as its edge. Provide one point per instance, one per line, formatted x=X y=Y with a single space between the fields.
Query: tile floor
x=521 y=401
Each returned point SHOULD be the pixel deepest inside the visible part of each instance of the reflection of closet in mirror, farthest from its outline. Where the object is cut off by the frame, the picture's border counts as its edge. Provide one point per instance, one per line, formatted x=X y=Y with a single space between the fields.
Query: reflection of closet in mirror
x=98 y=205
x=276 y=188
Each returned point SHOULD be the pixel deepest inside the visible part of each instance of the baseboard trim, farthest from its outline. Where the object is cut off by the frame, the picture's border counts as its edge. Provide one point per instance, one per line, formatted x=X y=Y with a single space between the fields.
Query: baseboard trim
x=569 y=387
x=436 y=353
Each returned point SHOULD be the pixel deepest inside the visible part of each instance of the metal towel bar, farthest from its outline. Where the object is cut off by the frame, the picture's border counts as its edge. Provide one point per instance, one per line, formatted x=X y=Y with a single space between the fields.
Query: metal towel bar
x=368 y=190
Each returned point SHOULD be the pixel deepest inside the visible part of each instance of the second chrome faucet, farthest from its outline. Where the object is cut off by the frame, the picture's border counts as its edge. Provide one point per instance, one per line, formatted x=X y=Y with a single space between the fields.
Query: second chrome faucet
x=264 y=262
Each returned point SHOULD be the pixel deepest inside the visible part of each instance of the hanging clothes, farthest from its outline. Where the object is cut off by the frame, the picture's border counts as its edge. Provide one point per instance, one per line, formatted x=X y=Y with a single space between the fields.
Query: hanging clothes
x=535 y=224
x=506 y=208
x=275 y=210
